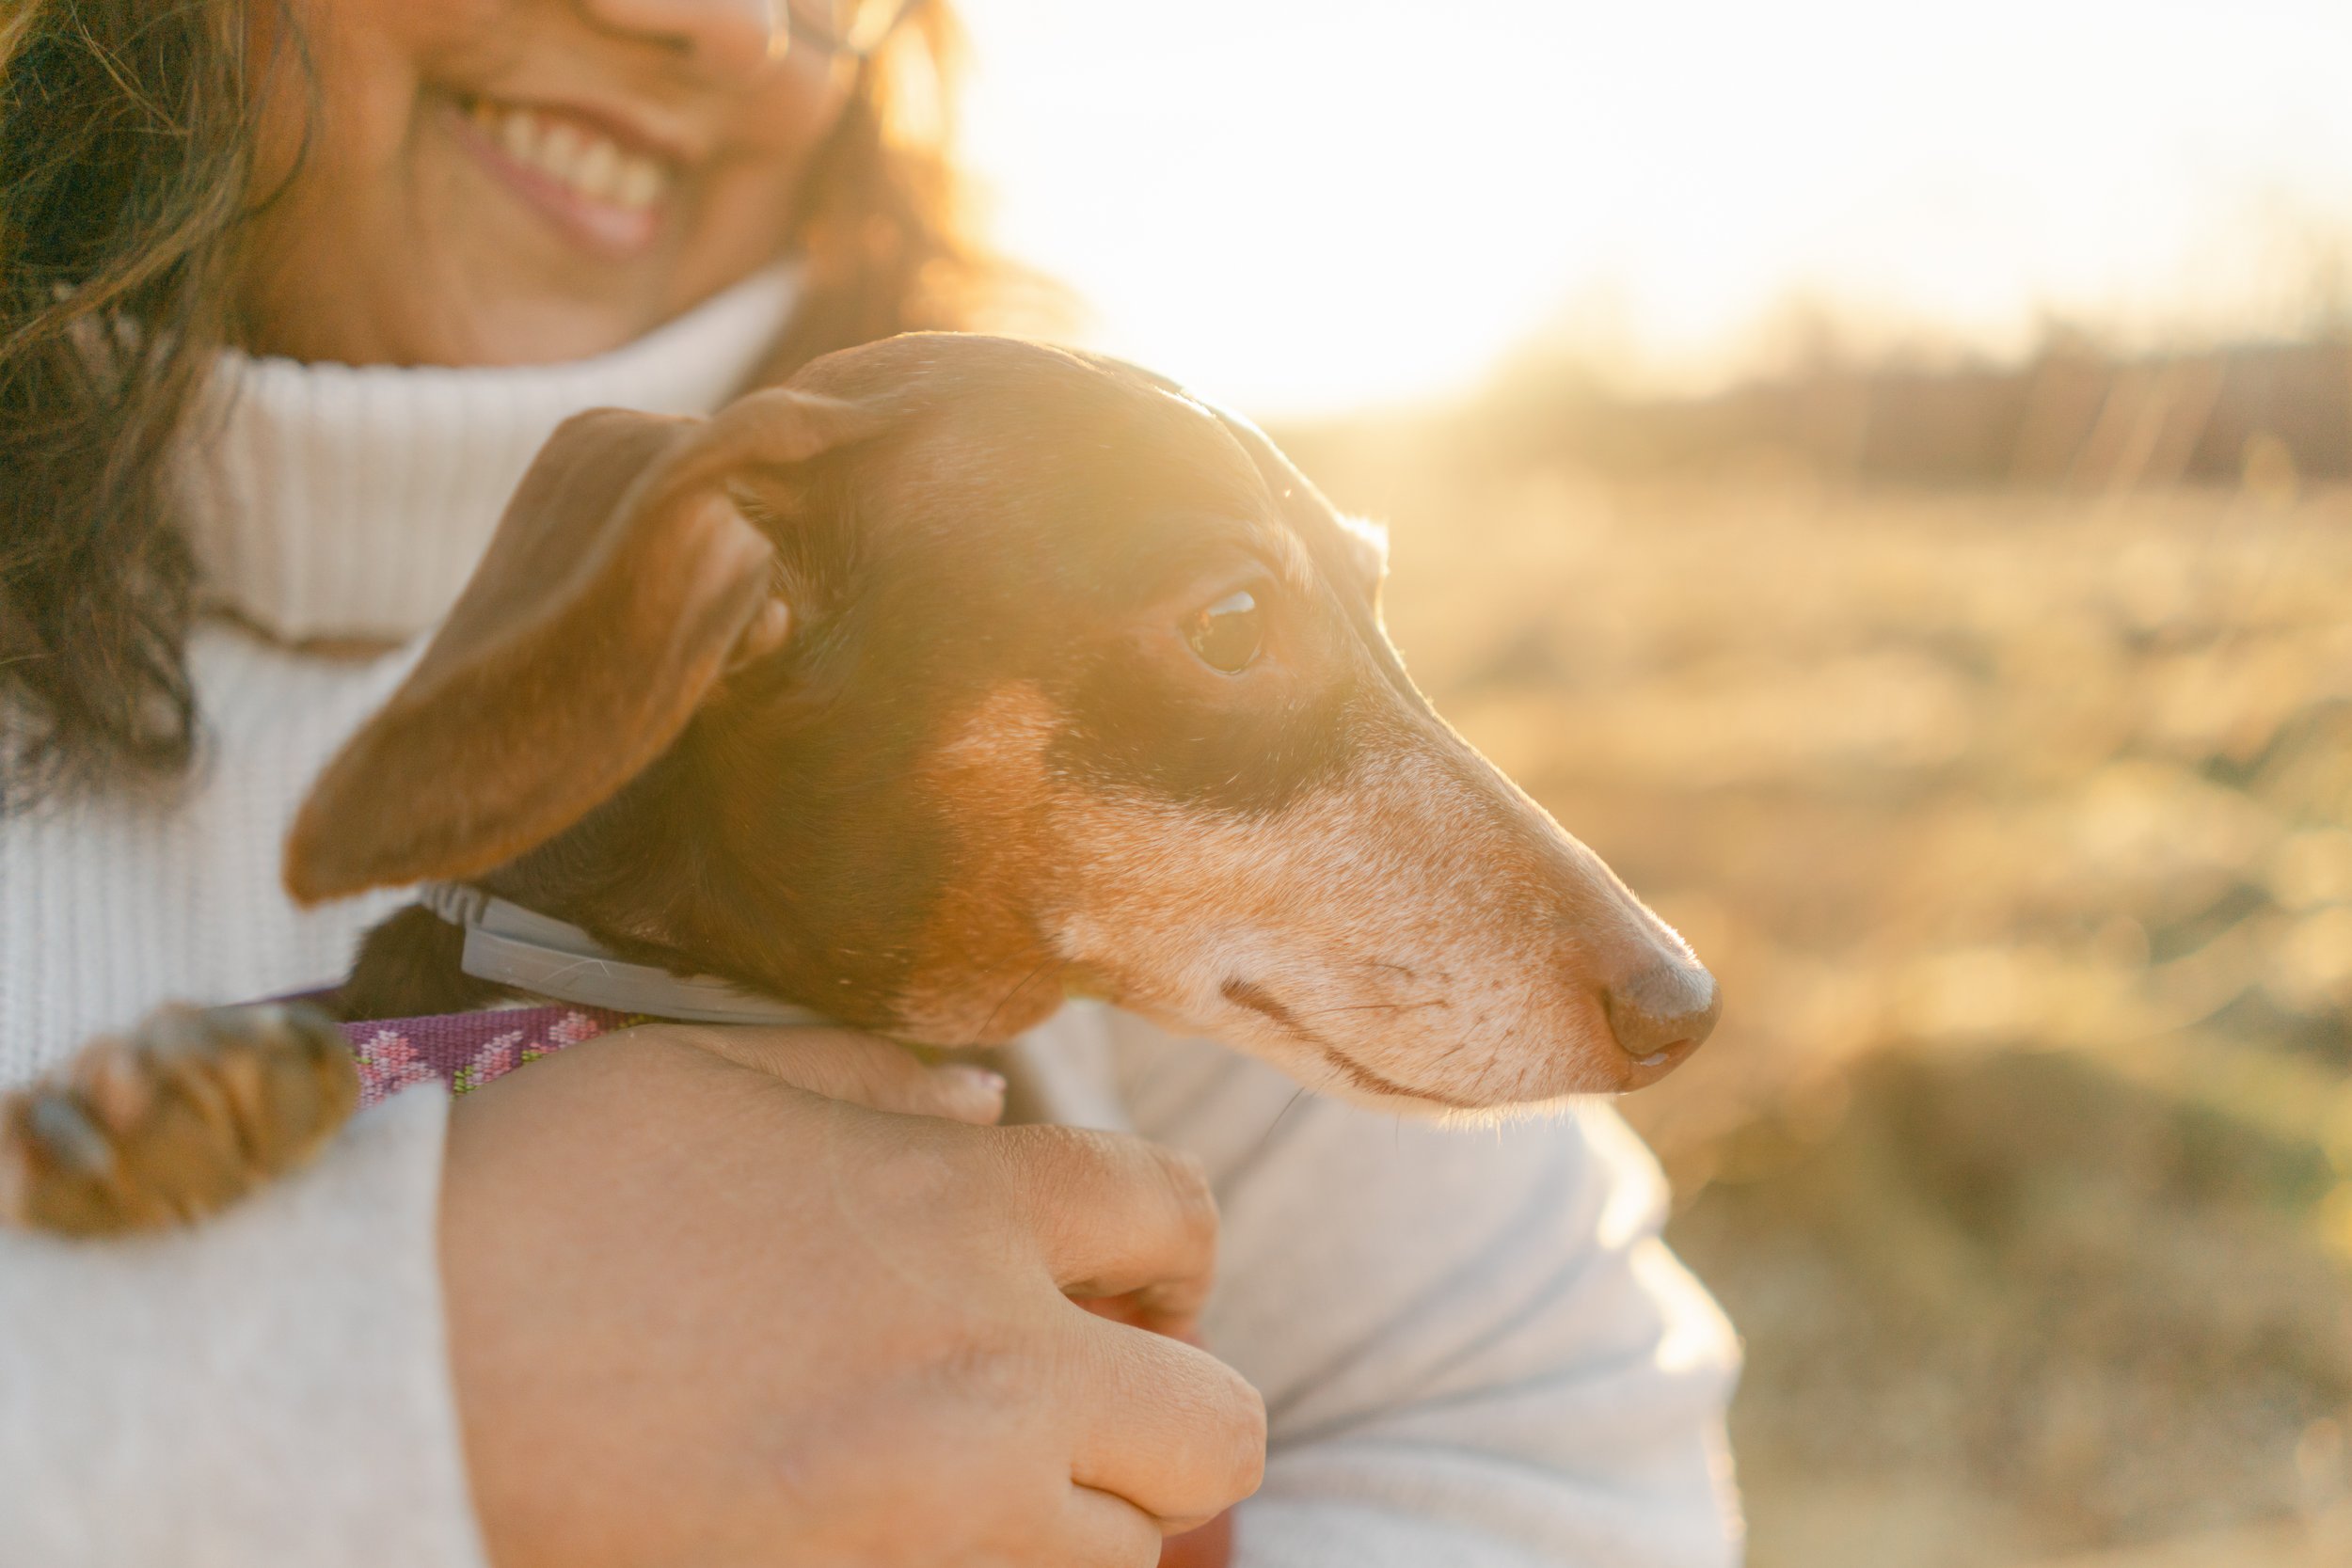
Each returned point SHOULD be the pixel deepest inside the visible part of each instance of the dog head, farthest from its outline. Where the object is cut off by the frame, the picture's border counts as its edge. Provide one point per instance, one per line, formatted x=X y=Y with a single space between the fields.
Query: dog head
x=962 y=673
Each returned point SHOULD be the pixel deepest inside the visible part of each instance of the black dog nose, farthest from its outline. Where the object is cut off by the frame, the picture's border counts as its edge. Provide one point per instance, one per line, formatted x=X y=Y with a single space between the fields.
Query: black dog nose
x=1662 y=1013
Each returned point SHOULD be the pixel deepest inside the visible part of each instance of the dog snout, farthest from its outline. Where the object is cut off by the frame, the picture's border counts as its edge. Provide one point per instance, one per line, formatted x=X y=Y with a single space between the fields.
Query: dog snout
x=1660 y=1014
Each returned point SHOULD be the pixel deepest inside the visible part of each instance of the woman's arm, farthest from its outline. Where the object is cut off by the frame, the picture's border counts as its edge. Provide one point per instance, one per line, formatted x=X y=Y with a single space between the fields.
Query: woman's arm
x=747 y=1295
x=1473 y=1348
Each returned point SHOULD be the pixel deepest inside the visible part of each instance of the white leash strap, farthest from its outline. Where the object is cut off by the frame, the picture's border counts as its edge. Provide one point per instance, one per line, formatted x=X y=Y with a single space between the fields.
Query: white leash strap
x=509 y=945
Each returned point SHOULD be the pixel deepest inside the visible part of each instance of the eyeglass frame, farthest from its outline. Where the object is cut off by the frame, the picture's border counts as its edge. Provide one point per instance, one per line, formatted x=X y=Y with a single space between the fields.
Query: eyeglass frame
x=804 y=32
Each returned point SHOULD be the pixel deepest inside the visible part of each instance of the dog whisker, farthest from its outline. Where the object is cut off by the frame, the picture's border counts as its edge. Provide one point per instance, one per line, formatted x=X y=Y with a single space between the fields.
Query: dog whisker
x=990 y=1022
x=1270 y=1126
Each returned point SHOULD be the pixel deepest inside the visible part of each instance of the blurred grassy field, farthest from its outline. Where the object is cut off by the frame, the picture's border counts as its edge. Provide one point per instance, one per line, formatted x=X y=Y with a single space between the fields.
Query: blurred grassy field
x=2018 y=826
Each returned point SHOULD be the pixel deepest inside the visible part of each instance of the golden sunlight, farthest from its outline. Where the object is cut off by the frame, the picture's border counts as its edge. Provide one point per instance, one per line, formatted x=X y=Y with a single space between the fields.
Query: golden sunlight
x=1323 y=204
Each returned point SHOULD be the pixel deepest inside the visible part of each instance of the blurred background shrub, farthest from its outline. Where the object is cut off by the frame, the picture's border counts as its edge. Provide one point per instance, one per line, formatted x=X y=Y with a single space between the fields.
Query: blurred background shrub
x=2017 y=821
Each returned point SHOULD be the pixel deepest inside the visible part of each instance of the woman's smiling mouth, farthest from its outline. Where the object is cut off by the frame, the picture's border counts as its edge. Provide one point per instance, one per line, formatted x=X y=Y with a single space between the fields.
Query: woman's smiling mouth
x=572 y=170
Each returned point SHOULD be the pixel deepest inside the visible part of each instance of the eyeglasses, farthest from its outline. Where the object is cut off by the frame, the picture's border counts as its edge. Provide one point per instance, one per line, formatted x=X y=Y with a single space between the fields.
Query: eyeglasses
x=854 y=29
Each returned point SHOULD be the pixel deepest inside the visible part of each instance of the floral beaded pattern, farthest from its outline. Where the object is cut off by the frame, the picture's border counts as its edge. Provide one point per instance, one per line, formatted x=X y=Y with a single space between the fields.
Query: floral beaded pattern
x=467 y=1050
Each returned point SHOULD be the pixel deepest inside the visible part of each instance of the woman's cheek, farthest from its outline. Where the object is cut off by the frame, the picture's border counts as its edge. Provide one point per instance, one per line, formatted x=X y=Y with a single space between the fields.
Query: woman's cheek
x=392 y=235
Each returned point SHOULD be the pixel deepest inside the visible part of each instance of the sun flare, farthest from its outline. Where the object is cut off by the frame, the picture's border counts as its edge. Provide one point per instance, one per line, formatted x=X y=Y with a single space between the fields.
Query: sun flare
x=1329 y=203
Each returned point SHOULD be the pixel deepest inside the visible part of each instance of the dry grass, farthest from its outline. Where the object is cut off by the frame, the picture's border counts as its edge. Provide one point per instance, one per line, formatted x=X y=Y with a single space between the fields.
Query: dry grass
x=2019 y=828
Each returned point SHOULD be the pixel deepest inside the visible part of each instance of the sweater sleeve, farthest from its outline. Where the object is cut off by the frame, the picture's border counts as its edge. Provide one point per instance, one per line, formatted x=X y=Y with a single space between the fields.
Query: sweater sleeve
x=1475 y=1351
x=270 y=1387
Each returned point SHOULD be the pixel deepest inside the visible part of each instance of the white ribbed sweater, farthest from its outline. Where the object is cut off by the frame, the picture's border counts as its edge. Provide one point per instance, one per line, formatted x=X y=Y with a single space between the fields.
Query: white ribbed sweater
x=324 y=503
x=1473 y=1348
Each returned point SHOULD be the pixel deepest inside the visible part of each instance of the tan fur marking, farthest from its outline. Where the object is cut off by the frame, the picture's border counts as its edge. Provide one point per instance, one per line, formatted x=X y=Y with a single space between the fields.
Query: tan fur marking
x=1417 y=931
x=985 y=972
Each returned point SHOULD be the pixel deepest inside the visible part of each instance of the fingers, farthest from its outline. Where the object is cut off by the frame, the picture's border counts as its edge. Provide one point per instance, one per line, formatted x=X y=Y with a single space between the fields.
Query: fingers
x=841 y=1064
x=1165 y=1426
x=1168 y=1427
x=1209 y=1545
x=1113 y=1214
x=1098 y=1530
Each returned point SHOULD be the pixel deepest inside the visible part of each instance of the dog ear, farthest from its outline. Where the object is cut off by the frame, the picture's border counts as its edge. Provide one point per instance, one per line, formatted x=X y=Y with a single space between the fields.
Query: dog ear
x=622 y=583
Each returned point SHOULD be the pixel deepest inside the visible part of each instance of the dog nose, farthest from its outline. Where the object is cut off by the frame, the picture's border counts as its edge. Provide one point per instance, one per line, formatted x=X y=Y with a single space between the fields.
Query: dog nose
x=1660 y=1015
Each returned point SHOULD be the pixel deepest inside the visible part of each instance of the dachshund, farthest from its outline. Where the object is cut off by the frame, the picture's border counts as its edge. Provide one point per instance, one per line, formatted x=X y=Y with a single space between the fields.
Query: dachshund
x=954 y=676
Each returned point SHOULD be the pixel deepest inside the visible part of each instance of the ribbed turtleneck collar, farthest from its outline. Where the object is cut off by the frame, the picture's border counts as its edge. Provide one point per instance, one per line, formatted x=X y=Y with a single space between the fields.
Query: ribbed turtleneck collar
x=352 y=501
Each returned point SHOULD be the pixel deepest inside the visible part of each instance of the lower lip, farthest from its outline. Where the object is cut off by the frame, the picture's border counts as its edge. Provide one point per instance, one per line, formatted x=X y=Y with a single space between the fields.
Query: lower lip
x=620 y=232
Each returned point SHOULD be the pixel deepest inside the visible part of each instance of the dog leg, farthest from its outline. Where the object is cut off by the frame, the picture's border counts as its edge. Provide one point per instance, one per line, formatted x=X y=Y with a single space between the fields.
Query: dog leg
x=191 y=1111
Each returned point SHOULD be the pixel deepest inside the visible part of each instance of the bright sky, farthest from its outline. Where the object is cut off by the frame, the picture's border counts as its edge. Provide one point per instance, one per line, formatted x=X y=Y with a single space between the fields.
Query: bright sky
x=1307 y=205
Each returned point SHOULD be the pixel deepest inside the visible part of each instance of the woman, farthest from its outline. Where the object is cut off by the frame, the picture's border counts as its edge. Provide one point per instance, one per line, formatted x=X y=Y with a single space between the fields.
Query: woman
x=291 y=294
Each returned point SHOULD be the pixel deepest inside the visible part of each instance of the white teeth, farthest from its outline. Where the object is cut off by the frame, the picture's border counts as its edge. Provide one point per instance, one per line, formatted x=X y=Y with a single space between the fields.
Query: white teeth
x=592 y=175
x=560 y=149
x=641 y=182
x=588 y=163
x=520 y=135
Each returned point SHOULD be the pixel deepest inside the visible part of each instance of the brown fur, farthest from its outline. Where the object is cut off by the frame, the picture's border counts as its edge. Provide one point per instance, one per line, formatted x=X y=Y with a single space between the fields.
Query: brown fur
x=984 y=768
x=186 y=1114
x=874 y=693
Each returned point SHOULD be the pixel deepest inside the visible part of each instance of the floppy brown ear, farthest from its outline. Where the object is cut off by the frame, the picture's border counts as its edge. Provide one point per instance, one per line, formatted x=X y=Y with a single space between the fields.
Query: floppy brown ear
x=622 y=581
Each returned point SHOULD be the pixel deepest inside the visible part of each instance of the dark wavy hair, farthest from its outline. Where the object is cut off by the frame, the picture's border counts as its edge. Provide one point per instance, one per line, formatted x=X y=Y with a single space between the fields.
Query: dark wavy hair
x=126 y=172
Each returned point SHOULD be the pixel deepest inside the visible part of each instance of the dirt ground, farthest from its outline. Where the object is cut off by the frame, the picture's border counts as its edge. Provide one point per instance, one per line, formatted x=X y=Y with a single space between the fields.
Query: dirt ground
x=2018 y=826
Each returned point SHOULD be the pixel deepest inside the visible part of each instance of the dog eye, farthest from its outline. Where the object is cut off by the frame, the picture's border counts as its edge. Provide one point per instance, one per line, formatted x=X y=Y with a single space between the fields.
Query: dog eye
x=1226 y=634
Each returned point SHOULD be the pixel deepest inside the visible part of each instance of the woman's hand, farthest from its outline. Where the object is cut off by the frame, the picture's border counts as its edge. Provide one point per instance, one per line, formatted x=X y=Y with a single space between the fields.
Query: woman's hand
x=699 y=1313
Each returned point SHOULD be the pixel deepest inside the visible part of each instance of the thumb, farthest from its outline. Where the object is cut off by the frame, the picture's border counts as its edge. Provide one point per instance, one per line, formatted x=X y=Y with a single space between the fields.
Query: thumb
x=864 y=1070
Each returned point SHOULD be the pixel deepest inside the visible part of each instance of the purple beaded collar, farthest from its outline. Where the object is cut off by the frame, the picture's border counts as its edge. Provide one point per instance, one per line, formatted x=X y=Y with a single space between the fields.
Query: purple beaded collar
x=590 y=991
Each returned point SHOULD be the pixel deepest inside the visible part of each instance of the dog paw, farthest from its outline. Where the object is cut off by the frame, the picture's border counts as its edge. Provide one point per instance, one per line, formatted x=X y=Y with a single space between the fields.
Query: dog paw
x=179 y=1119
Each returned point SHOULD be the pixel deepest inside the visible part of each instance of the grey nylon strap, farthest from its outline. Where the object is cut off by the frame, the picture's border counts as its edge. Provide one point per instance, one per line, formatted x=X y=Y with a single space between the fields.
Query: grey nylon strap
x=509 y=945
